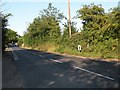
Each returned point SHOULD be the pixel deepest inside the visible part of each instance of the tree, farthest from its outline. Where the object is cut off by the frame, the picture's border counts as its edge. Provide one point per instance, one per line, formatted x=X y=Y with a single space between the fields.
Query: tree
x=100 y=29
x=113 y=22
x=45 y=27
x=65 y=35
x=11 y=36
x=93 y=17
x=20 y=41
x=4 y=18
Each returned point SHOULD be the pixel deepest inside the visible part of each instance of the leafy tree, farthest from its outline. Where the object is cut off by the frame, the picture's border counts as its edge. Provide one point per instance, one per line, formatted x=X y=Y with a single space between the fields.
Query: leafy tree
x=44 y=27
x=20 y=41
x=113 y=22
x=11 y=36
x=100 y=30
x=4 y=19
x=94 y=18
x=65 y=35
x=100 y=33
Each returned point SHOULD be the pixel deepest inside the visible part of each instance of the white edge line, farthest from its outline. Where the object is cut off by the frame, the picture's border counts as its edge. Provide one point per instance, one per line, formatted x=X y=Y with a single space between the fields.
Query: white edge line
x=93 y=73
x=15 y=56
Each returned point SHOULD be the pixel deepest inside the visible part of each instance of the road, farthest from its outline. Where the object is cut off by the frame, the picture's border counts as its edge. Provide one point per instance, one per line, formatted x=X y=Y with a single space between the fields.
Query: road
x=36 y=69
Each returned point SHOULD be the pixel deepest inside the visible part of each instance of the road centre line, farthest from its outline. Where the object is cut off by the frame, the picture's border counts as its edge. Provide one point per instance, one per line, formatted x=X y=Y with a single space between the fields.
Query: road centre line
x=41 y=56
x=86 y=70
x=15 y=56
x=93 y=73
x=56 y=60
x=50 y=58
x=34 y=53
x=45 y=57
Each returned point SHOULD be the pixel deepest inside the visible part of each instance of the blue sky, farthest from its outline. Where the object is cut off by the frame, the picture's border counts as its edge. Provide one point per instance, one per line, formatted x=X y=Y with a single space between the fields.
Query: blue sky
x=24 y=12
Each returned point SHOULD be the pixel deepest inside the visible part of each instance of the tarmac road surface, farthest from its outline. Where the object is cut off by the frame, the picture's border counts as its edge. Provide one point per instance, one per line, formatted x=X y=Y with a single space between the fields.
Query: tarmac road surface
x=24 y=68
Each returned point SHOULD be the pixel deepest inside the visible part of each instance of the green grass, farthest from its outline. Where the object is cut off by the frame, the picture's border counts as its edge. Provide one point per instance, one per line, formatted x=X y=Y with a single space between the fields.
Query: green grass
x=51 y=47
x=88 y=54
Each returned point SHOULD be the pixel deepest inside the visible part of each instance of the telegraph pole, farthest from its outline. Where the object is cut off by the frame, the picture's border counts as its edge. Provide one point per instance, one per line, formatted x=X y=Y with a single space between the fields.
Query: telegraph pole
x=69 y=21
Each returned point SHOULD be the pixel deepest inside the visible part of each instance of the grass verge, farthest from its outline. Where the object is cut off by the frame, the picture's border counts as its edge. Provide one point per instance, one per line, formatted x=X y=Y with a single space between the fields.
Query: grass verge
x=52 y=47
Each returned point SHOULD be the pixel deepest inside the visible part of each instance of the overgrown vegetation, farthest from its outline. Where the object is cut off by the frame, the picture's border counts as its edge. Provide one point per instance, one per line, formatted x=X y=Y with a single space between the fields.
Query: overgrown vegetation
x=98 y=38
x=11 y=36
x=4 y=22
x=8 y=35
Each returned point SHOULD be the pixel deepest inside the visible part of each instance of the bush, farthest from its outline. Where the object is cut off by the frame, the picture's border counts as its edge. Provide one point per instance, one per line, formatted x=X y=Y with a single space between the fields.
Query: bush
x=20 y=42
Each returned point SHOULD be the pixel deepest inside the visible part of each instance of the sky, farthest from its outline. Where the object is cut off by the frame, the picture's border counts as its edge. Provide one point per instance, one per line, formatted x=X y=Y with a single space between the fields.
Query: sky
x=24 y=11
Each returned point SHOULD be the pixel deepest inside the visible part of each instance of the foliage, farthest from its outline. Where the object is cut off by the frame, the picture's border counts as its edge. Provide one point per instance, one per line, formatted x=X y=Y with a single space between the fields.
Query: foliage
x=99 y=36
x=4 y=21
x=11 y=36
x=20 y=41
x=44 y=27
x=100 y=30
x=65 y=36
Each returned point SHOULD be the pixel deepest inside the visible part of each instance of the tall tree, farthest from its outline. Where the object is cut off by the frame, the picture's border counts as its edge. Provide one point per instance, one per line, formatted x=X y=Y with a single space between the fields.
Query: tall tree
x=4 y=18
x=100 y=29
x=93 y=19
x=45 y=27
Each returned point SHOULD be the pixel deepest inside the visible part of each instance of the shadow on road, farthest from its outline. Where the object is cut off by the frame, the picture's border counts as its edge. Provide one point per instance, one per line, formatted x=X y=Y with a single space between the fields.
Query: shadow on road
x=44 y=73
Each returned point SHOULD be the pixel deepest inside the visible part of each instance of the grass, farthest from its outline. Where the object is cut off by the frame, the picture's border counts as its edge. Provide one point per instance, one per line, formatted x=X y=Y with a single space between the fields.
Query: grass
x=52 y=47
x=88 y=54
x=46 y=47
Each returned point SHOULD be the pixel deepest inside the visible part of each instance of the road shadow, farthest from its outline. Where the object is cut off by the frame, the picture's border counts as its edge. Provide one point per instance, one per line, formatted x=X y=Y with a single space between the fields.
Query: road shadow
x=44 y=73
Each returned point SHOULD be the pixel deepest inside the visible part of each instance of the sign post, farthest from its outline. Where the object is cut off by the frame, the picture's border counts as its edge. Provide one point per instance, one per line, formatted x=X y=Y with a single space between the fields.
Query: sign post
x=79 y=48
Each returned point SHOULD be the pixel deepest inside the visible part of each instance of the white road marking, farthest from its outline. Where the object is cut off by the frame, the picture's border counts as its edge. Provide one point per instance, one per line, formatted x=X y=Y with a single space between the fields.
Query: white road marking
x=51 y=59
x=30 y=52
x=51 y=83
x=56 y=60
x=41 y=56
x=34 y=53
x=15 y=56
x=93 y=73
